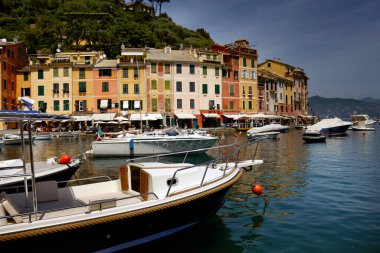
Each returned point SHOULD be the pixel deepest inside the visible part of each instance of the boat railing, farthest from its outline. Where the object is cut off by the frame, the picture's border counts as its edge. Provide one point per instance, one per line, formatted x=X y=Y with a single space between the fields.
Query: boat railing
x=212 y=163
x=186 y=153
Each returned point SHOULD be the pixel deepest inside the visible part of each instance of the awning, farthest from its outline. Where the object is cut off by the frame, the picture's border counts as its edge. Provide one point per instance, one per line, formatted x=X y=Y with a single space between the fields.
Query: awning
x=211 y=115
x=185 y=116
x=145 y=116
x=263 y=116
x=103 y=116
x=121 y=118
x=233 y=116
x=104 y=103
x=81 y=117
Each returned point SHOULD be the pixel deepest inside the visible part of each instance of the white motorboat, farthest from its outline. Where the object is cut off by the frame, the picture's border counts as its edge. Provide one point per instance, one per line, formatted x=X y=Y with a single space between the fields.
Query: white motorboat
x=43 y=136
x=362 y=122
x=12 y=173
x=274 y=127
x=10 y=139
x=149 y=200
x=263 y=136
x=150 y=143
x=330 y=127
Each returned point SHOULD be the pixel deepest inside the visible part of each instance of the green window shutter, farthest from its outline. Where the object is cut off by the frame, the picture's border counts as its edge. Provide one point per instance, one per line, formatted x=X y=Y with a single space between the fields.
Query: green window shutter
x=55 y=72
x=82 y=73
x=125 y=72
x=154 y=85
x=41 y=91
x=204 y=70
x=167 y=68
x=216 y=71
x=125 y=88
x=154 y=104
x=56 y=105
x=65 y=105
x=204 y=88
x=40 y=74
x=82 y=86
x=167 y=85
x=217 y=89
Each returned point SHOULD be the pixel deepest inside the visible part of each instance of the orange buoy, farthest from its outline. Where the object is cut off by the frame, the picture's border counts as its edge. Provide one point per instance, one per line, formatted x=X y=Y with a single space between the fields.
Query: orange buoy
x=257 y=189
x=65 y=159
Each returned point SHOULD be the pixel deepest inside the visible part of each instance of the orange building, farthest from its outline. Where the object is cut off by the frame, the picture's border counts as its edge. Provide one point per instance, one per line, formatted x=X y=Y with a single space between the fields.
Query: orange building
x=105 y=91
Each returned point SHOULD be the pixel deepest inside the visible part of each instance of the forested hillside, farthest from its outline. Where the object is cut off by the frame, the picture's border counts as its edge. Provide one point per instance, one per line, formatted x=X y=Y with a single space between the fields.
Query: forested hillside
x=45 y=25
x=341 y=107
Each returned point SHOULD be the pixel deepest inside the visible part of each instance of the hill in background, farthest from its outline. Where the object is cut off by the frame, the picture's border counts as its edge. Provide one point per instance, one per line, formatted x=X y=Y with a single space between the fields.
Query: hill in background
x=343 y=108
x=93 y=25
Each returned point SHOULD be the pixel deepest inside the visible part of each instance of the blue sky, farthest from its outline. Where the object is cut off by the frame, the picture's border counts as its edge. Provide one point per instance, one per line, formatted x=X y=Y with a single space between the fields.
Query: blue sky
x=336 y=42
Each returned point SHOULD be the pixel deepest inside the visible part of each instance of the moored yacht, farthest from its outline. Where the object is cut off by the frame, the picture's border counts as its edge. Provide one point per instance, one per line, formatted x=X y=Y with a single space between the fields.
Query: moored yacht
x=330 y=127
x=150 y=143
x=362 y=122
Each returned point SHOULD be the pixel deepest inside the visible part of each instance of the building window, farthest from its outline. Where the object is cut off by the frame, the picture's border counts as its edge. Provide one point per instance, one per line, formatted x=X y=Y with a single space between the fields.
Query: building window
x=179 y=103
x=65 y=71
x=105 y=87
x=65 y=88
x=232 y=90
x=82 y=73
x=65 y=105
x=250 y=105
x=136 y=73
x=154 y=104
x=82 y=86
x=211 y=104
x=125 y=88
x=244 y=62
x=243 y=105
x=204 y=88
x=231 y=105
x=253 y=75
x=252 y=63
x=42 y=106
x=167 y=68
x=26 y=76
x=136 y=88
x=125 y=72
x=104 y=72
x=154 y=85
x=192 y=103
x=260 y=105
x=178 y=86
x=55 y=88
x=55 y=72
x=217 y=89
x=204 y=70
x=153 y=68
x=236 y=74
x=40 y=74
x=167 y=85
x=250 y=92
x=56 y=105
x=41 y=91
x=179 y=68
x=25 y=91
x=269 y=65
x=216 y=71
x=4 y=84
x=192 y=69
x=192 y=86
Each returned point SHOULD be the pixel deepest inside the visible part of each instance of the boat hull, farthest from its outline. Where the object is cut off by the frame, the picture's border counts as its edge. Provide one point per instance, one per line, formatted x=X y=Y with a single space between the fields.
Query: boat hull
x=125 y=231
x=144 y=147
x=63 y=174
x=335 y=131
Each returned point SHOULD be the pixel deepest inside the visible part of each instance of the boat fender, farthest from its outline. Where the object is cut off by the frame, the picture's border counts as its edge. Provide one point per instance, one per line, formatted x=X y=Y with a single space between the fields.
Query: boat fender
x=131 y=144
x=65 y=159
x=257 y=189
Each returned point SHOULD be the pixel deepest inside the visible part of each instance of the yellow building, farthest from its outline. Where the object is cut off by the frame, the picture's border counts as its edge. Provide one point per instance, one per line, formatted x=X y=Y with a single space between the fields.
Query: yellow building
x=295 y=90
x=132 y=88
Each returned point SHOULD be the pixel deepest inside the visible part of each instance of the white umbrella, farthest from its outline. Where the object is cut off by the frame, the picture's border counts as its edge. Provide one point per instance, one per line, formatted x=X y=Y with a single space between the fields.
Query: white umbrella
x=121 y=118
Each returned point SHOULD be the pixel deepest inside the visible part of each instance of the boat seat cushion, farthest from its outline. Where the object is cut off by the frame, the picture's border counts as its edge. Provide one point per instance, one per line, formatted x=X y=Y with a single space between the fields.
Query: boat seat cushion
x=10 y=208
x=47 y=191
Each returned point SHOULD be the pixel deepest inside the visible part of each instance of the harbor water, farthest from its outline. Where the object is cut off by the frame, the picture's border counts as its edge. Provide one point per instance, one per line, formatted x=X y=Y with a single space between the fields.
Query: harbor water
x=323 y=197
